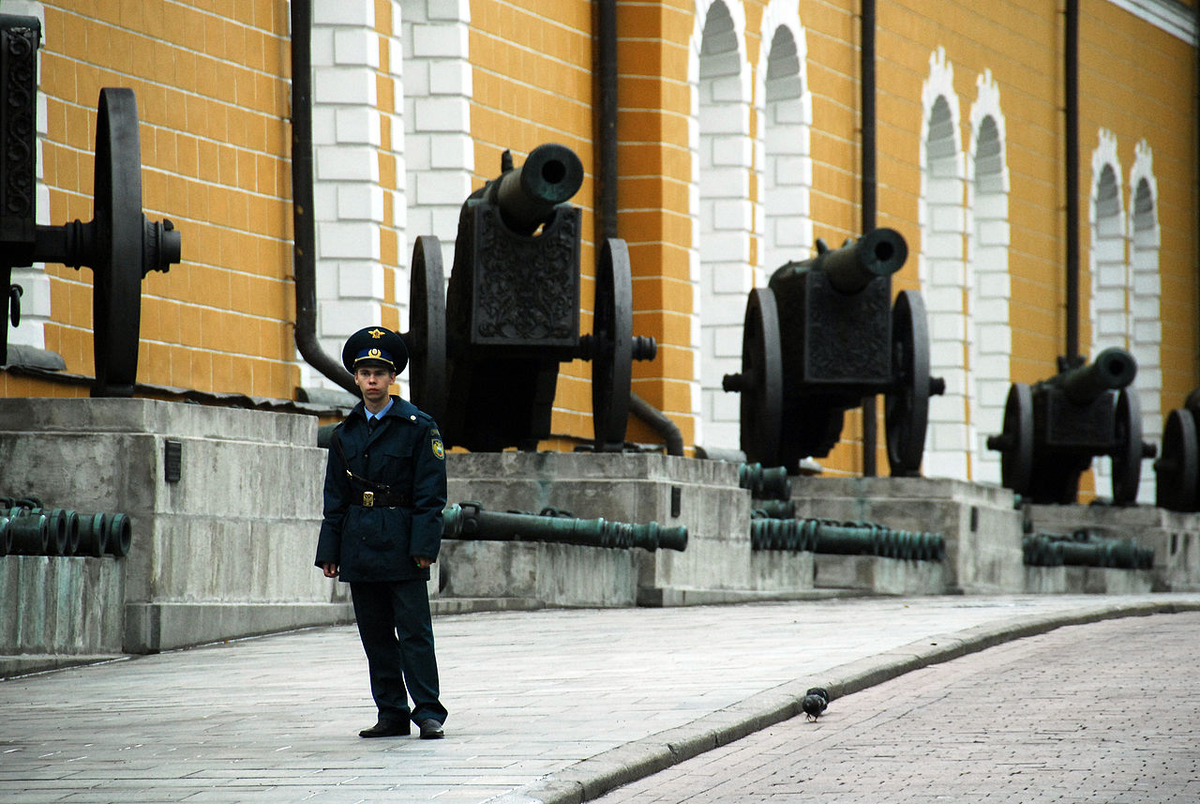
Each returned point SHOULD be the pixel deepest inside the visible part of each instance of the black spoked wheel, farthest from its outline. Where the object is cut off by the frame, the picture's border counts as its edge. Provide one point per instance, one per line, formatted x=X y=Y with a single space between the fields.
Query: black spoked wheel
x=907 y=406
x=426 y=338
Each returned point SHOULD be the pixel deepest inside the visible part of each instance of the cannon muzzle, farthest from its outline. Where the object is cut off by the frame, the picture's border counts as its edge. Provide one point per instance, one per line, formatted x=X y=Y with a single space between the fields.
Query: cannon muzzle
x=470 y=521
x=526 y=196
x=879 y=253
x=1113 y=369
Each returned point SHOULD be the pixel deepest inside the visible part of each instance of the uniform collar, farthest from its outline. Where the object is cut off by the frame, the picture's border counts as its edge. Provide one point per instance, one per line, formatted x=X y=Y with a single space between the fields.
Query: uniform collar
x=396 y=407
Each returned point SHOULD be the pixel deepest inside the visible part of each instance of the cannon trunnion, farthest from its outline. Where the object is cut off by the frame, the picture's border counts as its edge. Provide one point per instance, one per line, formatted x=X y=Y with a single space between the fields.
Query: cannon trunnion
x=1053 y=429
x=819 y=338
x=485 y=359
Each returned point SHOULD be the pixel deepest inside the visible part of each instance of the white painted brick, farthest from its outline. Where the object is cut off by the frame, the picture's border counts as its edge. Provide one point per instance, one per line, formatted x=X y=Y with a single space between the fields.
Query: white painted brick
x=344 y=12
x=322 y=49
x=993 y=233
x=357 y=125
x=996 y=339
x=363 y=202
x=417 y=154
x=1147 y=284
x=731 y=215
x=439 y=41
x=449 y=187
x=731 y=151
x=344 y=86
x=450 y=77
x=448 y=10
x=355 y=240
x=416 y=79
x=347 y=163
x=356 y=47
x=441 y=114
x=452 y=151
x=324 y=125
x=362 y=280
x=793 y=171
x=325 y=201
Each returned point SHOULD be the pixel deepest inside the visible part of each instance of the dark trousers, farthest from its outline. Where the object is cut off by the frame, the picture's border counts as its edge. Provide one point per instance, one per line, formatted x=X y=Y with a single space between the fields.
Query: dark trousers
x=397 y=634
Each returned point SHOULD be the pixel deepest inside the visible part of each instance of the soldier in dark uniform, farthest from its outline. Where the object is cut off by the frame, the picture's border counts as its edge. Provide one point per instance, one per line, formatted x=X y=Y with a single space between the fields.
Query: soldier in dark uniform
x=385 y=487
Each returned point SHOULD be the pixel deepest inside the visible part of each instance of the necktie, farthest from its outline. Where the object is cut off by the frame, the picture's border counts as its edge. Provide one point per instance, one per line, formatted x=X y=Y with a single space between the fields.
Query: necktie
x=371 y=420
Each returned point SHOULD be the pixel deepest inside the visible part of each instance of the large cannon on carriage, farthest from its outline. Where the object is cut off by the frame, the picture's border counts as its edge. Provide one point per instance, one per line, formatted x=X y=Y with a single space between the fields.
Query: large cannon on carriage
x=823 y=335
x=485 y=358
x=1054 y=429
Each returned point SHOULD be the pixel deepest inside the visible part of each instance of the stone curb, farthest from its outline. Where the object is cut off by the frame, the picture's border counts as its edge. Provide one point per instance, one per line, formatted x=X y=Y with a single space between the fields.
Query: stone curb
x=593 y=777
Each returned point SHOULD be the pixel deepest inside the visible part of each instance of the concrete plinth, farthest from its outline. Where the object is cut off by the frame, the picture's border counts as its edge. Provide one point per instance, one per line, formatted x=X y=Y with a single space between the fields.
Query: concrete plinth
x=1175 y=537
x=224 y=551
x=635 y=488
x=553 y=574
x=879 y=575
x=980 y=524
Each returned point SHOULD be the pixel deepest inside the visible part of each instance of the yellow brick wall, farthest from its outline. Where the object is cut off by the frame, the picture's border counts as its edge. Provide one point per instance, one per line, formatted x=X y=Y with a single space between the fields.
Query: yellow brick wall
x=212 y=90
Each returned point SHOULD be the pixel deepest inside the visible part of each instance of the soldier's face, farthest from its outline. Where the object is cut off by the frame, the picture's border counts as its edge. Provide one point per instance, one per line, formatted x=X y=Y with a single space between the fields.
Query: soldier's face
x=374 y=381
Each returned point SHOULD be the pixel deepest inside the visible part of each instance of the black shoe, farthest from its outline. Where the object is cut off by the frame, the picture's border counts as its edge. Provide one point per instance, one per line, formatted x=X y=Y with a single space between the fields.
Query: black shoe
x=431 y=730
x=387 y=728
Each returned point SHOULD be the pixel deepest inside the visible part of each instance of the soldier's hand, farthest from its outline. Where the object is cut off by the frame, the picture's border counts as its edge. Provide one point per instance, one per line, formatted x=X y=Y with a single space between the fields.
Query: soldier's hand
x=422 y=561
x=330 y=569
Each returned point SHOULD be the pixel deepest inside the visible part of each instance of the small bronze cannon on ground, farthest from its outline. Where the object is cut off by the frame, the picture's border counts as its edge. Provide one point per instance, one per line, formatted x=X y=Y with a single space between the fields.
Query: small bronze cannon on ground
x=1177 y=471
x=1054 y=429
x=845 y=538
x=1082 y=549
x=120 y=245
x=469 y=520
x=485 y=360
x=822 y=336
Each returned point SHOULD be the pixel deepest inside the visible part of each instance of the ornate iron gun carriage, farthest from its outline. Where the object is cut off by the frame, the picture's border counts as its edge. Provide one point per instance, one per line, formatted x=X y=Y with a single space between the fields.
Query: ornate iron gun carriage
x=120 y=245
x=485 y=359
x=1053 y=429
x=819 y=338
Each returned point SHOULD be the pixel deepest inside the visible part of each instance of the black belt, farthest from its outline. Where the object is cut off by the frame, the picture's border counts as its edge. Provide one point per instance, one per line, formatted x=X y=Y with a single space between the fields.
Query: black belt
x=385 y=499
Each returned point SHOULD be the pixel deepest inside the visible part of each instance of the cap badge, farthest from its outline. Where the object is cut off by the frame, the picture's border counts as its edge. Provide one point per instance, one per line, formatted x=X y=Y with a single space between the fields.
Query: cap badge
x=376 y=333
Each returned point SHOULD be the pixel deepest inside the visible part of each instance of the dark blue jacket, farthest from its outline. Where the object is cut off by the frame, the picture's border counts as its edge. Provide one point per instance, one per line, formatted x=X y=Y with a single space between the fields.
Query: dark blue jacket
x=379 y=543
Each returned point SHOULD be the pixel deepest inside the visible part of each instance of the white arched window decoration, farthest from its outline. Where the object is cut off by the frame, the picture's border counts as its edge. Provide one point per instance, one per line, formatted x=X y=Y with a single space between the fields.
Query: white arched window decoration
x=989 y=333
x=1109 y=312
x=1145 y=305
x=1109 y=301
x=942 y=268
x=783 y=158
x=722 y=213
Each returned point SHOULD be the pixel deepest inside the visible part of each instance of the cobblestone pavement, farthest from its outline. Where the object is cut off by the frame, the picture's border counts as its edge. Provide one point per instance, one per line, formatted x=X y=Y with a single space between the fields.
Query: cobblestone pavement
x=1106 y=712
x=552 y=706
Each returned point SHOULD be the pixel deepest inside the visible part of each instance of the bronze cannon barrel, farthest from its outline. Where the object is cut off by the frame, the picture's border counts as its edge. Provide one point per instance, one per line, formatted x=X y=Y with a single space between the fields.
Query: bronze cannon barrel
x=470 y=521
x=1113 y=369
x=527 y=196
x=878 y=253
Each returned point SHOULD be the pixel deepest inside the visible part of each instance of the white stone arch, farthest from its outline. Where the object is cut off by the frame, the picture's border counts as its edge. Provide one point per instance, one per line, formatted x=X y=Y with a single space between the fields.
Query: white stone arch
x=989 y=333
x=1145 y=306
x=1109 y=313
x=783 y=104
x=942 y=267
x=722 y=215
x=1109 y=308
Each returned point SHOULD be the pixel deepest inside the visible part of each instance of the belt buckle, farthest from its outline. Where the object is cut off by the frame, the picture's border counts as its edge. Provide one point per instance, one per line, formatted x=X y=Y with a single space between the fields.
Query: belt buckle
x=368 y=499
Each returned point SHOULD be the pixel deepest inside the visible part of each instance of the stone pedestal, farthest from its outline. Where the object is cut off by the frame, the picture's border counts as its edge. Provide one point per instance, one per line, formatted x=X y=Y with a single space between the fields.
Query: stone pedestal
x=1175 y=537
x=980 y=524
x=224 y=551
x=636 y=488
